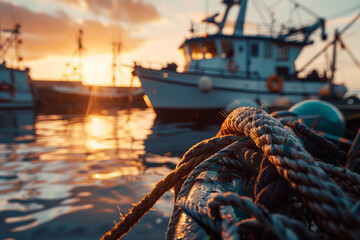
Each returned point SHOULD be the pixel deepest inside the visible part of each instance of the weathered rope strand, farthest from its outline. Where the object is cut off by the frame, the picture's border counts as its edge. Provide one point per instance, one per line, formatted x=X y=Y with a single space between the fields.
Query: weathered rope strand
x=321 y=195
x=327 y=146
x=249 y=206
x=189 y=181
x=141 y=208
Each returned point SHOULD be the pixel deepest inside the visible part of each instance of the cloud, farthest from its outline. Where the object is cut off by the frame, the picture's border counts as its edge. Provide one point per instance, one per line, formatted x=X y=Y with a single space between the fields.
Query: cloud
x=130 y=11
x=44 y=34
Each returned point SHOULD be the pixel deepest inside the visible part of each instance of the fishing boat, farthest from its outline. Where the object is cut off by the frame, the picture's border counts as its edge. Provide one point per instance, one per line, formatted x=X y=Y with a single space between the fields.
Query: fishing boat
x=15 y=83
x=223 y=71
x=73 y=93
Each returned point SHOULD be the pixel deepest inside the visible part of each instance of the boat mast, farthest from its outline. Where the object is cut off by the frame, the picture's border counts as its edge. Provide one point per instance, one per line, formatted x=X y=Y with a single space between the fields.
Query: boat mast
x=80 y=50
x=116 y=48
x=13 y=41
x=333 y=69
x=239 y=26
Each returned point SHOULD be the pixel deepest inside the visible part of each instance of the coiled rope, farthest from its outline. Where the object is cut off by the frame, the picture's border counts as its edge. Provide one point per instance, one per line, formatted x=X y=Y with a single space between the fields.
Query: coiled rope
x=284 y=176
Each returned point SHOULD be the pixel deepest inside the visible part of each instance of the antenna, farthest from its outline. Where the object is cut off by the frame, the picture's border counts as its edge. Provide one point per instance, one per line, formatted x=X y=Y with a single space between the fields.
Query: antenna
x=207 y=13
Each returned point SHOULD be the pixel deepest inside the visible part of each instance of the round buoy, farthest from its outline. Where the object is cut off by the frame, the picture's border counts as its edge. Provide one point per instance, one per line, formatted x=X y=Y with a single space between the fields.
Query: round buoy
x=321 y=116
x=324 y=90
x=282 y=101
x=243 y=102
x=205 y=84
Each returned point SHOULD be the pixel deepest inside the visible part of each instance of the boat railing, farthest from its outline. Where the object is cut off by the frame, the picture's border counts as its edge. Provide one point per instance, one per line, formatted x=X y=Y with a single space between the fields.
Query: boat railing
x=225 y=73
x=211 y=71
x=151 y=64
x=250 y=28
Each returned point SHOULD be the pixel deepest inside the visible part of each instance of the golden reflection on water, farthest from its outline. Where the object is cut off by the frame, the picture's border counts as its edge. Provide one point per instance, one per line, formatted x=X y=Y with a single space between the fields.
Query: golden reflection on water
x=124 y=171
x=75 y=163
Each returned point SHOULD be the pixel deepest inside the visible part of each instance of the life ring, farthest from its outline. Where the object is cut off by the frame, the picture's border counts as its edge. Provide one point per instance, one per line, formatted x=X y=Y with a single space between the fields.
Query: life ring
x=7 y=87
x=231 y=68
x=275 y=83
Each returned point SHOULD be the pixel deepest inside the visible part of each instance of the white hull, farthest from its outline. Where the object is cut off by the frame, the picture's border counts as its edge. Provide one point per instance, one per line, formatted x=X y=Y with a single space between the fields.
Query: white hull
x=174 y=90
x=96 y=91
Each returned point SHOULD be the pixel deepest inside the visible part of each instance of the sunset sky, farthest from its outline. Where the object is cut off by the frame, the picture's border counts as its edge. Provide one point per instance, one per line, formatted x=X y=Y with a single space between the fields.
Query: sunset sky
x=152 y=30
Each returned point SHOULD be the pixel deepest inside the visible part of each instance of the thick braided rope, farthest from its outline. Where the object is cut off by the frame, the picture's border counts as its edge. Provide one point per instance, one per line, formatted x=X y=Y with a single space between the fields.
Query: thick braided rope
x=327 y=146
x=232 y=230
x=186 y=187
x=208 y=163
x=247 y=204
x=321 y=195
x=199 y=214
x=347 y=179
x=141 y=208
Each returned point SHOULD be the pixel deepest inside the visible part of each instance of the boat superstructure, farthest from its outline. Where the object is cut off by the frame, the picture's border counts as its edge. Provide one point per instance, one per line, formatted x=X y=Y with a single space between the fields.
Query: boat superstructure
x=223 y=70
x=15 y=83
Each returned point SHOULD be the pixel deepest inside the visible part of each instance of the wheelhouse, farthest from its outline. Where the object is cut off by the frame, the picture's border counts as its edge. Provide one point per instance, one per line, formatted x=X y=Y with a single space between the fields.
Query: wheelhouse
x=258 y=55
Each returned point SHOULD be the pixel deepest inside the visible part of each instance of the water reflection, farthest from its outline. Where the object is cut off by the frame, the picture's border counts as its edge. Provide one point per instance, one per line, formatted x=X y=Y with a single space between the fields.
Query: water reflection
x=66 y=175
x=17 y=127
x=175 y=138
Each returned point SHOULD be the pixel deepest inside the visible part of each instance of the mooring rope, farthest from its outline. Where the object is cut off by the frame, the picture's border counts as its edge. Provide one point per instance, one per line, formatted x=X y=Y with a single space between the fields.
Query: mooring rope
x=324 y=198
x=197 y=153
x=286 y=182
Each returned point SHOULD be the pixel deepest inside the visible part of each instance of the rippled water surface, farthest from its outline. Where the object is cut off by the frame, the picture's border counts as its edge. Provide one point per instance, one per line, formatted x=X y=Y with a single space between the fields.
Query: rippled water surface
x=72 y=176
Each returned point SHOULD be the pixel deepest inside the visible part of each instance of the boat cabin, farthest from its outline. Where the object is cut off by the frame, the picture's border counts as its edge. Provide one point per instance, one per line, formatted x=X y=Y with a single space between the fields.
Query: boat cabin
x=245 y=55
x=250 y=56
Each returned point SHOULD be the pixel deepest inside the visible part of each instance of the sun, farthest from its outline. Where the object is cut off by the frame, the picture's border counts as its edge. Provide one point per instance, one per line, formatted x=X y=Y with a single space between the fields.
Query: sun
x=97 y=70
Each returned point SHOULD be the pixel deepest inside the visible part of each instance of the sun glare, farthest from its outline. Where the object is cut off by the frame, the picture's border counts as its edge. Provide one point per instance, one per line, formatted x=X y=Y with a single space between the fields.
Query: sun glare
x=96 y=71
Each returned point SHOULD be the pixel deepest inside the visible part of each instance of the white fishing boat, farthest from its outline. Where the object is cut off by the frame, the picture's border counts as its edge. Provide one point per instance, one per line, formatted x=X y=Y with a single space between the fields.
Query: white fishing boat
x=72 y=92
x=223 y=71
x=15 y=83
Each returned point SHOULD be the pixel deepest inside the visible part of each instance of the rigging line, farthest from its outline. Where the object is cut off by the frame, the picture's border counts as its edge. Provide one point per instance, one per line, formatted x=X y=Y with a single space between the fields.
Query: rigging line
x=306 y=9
x=352 y=56
x=261 y=15
x=336 y=15
x=275 y=4
x=299 y=16
x=291 y=14
x=327 y=61
x=344 y=12
x=267 y=9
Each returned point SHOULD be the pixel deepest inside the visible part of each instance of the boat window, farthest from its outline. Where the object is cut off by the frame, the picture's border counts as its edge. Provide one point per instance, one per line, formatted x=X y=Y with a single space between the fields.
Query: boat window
x=268 y=50
x=227 y=50
x=209 y=49
x=254 y=50
x=283 y=53
x=196 y=53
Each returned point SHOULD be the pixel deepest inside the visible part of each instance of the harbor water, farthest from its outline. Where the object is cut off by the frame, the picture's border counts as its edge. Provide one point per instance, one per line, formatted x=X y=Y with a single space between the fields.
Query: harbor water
x=72 y=176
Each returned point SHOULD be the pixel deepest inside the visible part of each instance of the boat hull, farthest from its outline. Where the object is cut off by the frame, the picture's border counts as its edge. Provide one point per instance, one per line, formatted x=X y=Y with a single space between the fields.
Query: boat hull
x=75 y=97
x=15 y=89
x=171 y=92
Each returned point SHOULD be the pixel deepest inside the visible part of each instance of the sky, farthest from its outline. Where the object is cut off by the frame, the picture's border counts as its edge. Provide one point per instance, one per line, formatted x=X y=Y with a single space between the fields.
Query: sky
x=151 y=32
